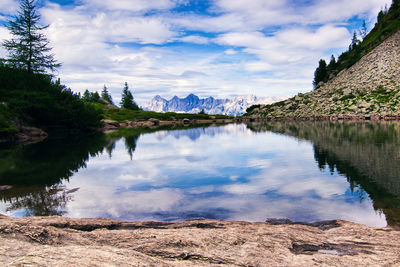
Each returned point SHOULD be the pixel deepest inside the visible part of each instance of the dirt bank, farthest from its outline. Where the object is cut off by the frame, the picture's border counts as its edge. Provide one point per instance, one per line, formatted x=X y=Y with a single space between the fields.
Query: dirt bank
x=58 y=241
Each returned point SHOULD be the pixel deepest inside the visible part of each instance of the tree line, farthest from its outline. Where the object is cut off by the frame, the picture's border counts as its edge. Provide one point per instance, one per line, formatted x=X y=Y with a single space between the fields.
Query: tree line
x=127 y=100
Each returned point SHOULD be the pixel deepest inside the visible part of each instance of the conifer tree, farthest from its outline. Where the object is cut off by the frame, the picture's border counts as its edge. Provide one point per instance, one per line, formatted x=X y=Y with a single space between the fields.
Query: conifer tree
x=94 y=97
x=106 y=95
x=86 y=96
x=127 y=99
x=29 y=48
x=331 y=68
x=321 y=73
x=363 y=30
x=354 y=42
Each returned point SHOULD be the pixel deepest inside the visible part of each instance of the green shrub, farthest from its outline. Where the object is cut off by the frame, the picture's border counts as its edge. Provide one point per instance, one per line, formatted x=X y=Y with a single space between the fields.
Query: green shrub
x=251 y=108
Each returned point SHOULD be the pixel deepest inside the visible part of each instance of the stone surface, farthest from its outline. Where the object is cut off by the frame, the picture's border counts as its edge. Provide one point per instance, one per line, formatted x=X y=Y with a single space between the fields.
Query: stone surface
x=59 y=241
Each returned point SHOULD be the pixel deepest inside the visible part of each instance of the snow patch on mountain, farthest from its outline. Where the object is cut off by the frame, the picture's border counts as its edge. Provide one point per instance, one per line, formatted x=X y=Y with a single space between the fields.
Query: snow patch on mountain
x=211 y=105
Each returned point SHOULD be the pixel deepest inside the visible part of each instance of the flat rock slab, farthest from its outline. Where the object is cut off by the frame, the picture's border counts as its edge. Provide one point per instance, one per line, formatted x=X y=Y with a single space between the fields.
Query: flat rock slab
x=59 y=241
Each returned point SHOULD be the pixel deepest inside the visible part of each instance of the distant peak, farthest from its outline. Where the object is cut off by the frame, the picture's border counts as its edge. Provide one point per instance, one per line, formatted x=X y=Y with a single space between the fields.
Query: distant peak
x=192 y=96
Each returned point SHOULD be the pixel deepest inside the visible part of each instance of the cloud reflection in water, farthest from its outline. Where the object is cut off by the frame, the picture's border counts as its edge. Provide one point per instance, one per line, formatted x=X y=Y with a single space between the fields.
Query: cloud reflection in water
x=224 y=172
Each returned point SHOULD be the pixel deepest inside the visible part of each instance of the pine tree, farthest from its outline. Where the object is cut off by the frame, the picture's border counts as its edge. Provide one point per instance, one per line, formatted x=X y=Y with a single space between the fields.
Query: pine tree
x=363 y=30
x=331 y=68
x=333 y=61
x=354 y=42
x=94 y=97
x=106 y=95
x=321 y=73
x=127 y=99
x=86 y=96
x=29 y=48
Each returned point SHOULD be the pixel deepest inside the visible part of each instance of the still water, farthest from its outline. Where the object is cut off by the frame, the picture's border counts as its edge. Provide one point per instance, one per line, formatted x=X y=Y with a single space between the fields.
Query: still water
x=304 y=171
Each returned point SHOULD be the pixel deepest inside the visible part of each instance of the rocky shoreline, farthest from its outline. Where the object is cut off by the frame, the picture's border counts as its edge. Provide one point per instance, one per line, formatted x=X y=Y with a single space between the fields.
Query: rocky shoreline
x=329 y=118
x=111 y=125
x=60 y=241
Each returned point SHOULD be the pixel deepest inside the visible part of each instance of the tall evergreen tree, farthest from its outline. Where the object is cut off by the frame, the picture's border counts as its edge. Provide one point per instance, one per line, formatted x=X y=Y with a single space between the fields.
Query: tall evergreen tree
x=332 y=64
x=29 y=48
x=321 y=73
x=363 y=30
x=94 y=97
x=127 y=99
x=86 y=96
x=354 y=42
x=106 y=95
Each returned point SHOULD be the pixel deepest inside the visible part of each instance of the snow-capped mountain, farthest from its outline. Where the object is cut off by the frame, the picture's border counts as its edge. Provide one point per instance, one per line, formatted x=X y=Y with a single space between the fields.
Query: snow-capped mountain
x=194 y=104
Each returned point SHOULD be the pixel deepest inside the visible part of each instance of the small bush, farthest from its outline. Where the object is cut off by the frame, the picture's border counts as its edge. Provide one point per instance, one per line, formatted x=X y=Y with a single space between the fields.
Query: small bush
x=251 y=108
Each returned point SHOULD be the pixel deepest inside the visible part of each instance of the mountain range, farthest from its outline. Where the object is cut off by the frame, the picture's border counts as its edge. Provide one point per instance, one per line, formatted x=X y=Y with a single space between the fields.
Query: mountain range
x=210 y=105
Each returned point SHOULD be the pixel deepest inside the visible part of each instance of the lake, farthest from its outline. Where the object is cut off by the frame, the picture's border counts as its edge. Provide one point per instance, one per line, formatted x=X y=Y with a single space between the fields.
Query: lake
x=304 y=171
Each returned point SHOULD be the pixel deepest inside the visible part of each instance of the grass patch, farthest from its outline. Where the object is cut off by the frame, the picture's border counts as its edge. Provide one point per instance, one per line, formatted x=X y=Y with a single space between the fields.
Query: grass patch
x=346 y=97
x=382 y=95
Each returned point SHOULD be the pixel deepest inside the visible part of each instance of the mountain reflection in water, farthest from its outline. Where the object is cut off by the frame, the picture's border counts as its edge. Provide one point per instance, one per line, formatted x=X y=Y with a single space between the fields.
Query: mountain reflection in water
x=305 y=171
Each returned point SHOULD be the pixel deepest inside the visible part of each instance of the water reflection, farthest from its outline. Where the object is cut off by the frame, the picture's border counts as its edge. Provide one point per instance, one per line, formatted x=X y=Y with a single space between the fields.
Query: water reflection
x=37 y=200
x=367 y=154
x=301 y=171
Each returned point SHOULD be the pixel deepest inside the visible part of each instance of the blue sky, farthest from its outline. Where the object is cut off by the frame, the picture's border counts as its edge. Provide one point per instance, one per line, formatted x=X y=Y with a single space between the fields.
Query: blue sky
x=220 y=48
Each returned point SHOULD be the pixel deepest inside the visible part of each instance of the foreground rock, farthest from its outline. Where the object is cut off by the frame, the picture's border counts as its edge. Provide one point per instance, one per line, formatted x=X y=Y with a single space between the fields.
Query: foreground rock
x=58 y=241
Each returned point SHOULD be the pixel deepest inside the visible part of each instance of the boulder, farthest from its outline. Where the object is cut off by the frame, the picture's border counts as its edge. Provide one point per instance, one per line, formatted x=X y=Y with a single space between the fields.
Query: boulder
x=347 y=91
x=154 y=121
x=111 y=125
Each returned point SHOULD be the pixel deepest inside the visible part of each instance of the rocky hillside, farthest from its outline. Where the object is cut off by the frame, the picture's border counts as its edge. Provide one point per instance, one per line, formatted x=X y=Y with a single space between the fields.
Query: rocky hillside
x=210 y=105
x=371 y=87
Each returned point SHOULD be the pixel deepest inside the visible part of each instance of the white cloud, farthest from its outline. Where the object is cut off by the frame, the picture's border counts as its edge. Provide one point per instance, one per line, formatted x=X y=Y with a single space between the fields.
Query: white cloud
x=8 y=6
x=196 y=39
x=4 y=35
x=230 y=52
x=326 y=36
x=130 y=5
x=326 y=11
